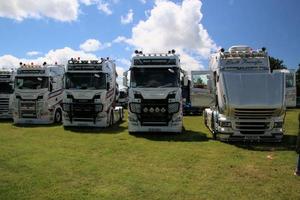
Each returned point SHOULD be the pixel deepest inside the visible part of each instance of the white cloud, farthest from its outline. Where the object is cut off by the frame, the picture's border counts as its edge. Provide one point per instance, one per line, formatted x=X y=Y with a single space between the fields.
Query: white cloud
x=61 y=56
x=33 y=53
x=143 y=1
x=104 y=7
x=175 y=26
x=120 y=39
x=8 y=61
x=128 y=18
x=61 y=10
x=90 y=45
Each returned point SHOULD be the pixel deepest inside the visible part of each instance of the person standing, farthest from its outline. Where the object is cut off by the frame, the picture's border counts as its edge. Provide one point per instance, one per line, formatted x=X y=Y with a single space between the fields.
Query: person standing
x=297 y=171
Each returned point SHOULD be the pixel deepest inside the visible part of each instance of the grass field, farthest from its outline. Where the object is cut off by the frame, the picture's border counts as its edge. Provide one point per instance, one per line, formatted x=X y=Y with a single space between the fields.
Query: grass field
x=48 y=162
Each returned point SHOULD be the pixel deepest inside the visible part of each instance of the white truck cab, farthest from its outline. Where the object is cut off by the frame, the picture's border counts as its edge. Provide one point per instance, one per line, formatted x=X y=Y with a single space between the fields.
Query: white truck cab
x=90 y=94
x=6 y=92
x=154 y=93
x=38 y=94
x=248 y=101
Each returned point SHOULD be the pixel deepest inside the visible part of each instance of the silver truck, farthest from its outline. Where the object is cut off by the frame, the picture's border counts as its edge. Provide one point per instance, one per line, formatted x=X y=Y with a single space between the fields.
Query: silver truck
x=247 y=99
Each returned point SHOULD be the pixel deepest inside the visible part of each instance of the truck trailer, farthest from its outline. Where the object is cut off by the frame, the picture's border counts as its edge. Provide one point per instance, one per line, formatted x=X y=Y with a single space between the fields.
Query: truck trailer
x=6 y=92
x=90 y=94
x=154 y=93
x=38 y=94
x=248 y=101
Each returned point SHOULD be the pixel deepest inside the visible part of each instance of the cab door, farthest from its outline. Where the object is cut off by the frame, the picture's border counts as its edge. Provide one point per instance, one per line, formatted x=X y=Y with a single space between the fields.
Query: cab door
x=201 y=89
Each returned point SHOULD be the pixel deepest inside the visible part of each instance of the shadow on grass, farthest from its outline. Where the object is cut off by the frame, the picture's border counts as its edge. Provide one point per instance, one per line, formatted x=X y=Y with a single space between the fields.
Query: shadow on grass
x=115 y=129
x=36 y=125
x=185 y=136
x=6 y=121
x=288 y=144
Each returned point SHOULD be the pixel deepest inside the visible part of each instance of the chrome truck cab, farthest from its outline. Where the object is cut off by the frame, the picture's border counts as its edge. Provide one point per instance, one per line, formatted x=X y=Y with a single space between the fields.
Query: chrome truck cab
x=6 y=92
x=154 y=93
x=38 y=94
x=247 y=98
x=90 y=94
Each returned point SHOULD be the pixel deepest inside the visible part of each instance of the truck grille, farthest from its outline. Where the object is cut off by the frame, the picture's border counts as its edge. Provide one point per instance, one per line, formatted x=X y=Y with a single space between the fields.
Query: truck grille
x=28 y=109
x=83 y=110
x=253 y=113
x=253 y=121
x=154 y=112
x=4 y=105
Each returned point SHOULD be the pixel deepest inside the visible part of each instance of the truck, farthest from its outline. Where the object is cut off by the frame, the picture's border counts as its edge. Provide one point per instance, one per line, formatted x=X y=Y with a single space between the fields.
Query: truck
x=6 y=92
x=90 y=94
x=154 y=92
x=123 y=98
x=247 y=99
x=290 y=87
x=38 y=94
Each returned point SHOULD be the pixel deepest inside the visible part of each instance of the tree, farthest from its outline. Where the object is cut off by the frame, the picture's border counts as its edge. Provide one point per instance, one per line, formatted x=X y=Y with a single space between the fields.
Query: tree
x=276 y=63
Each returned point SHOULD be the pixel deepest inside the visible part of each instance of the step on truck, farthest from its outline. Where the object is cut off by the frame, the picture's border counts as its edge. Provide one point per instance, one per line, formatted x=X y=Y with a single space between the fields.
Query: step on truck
x=248 y=101
x=38 y=94
x=154 y=93
x=90 y=94
x=6 y=92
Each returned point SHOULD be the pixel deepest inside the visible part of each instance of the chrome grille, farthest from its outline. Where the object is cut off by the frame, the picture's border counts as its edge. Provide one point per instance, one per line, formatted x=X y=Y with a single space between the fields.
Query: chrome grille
x=4 y=105
x=254 y=113
x=253 y=121
x=28 y=109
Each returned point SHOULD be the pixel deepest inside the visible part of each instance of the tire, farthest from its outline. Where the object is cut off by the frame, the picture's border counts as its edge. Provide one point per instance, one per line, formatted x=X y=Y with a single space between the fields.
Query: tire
x=214 y=132
x=58 y=116
x=111 y=119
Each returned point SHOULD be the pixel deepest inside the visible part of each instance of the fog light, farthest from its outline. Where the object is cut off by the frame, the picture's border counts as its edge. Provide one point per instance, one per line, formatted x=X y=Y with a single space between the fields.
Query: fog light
x=278 y=124
x=224 y=124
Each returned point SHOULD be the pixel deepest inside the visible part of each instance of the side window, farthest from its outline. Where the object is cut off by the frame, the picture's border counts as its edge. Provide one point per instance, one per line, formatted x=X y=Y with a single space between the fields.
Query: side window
x=200 y=81
x=289 y=78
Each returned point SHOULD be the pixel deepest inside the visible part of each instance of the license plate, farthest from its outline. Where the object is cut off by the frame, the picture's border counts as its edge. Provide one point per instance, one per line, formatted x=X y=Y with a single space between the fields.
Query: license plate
x=251 y=137
x=154 y=129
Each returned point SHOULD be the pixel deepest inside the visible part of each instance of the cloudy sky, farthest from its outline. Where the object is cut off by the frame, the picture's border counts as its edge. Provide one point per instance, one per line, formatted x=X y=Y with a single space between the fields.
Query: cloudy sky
x=55 y=30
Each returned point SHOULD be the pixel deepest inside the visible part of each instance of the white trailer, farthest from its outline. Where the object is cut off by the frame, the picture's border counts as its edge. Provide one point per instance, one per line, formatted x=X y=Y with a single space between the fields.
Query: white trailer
x=38 y=94
x=6 y=92
x=90 y=94
x=248 y=101
x=154 y=93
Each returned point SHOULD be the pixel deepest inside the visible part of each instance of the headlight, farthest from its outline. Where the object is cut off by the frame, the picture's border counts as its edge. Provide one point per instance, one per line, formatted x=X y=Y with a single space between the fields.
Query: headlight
x=173 y=107
x=224 y=124
x=278 y=124
x=98 y=107
x=66 y=107
x=135 y=107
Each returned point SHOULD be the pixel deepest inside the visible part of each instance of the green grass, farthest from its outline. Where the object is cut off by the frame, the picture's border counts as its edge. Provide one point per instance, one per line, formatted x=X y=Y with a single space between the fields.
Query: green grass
x=52 y=163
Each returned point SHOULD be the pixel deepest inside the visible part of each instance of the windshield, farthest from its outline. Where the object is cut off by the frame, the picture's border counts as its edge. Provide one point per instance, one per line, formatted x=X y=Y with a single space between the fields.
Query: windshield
x=31 y=82
x=89 y=81
x=155 y=77
x=6 y=88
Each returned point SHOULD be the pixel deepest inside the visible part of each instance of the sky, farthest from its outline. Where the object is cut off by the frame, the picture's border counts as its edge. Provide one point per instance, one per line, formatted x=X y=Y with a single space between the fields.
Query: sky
x=56 y=30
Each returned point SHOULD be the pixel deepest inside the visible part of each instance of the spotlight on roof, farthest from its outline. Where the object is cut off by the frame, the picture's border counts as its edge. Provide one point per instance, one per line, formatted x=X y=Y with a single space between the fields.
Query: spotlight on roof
x=222 y=50
x=173 y=51
x=136 y=51
x=264 y=49
x=44 y=63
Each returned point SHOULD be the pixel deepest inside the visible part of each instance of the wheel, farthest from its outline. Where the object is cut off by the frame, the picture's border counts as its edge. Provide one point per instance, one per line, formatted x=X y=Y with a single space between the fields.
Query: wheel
x=111 y=121
x=214 y=132
x=57 y=116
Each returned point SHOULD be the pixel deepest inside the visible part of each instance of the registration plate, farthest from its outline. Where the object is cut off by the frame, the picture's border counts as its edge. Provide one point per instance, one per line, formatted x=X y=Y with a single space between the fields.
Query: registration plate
x=252 y=137
x=154 y=129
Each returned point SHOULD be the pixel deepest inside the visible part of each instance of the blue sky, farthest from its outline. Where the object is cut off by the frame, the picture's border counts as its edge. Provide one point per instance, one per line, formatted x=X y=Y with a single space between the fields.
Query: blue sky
x=44 y=31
